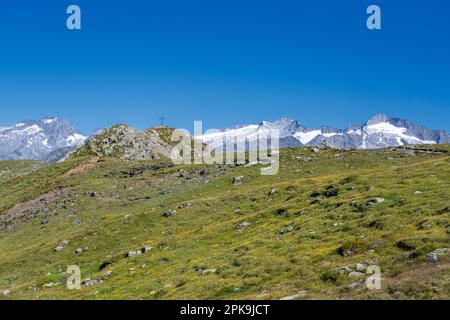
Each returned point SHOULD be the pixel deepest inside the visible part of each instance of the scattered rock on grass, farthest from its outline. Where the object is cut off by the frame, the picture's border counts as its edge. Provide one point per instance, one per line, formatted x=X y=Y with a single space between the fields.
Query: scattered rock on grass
x=357 y=285
x=243 y=225
x=6 y=292
x=61 y=246
x=355 y=274
x=287 y=229
x=238 y=180
x=90 y=283
x=360 y=267
x=169 y=214
x=374 y=201
x=105 y=265
x=300 y=295
x=51 y=285
x=434 y=255
x=344 y=269
x=206 y=272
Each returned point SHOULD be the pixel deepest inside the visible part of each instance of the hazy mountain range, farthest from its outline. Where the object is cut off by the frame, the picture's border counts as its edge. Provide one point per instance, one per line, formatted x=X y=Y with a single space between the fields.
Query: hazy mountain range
x=51 y=138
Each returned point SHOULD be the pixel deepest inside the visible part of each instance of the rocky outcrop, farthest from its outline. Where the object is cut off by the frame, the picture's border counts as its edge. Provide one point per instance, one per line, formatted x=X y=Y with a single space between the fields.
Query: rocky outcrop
x=124 y=142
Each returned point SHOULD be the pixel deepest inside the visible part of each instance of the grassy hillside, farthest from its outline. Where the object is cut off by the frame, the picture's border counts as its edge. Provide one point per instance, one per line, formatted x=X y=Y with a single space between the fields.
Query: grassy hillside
x=11 y=169
x=301 y=232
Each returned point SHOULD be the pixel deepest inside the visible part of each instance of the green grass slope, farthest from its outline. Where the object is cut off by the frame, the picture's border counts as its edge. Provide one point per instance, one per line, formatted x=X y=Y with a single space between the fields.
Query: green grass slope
x=10 y=169
x=301 y=232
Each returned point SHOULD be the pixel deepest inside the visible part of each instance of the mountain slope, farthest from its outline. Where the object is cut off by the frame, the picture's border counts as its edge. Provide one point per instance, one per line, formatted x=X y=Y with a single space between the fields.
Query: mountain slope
x=48 y=139
x=300 y=233
x=10 y=169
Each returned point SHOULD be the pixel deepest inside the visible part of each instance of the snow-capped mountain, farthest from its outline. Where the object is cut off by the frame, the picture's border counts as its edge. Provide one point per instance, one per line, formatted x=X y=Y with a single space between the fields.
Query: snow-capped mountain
x=48 y=139
x=380 y=131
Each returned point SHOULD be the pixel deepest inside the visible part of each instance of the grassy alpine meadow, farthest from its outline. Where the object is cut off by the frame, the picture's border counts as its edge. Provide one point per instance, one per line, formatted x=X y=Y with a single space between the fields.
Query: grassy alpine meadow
x=154 y=230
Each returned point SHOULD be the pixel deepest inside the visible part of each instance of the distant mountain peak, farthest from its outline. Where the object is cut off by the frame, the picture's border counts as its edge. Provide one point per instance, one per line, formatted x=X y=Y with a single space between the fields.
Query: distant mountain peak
x=378 y=119
x=380 y=131
x=47 y=139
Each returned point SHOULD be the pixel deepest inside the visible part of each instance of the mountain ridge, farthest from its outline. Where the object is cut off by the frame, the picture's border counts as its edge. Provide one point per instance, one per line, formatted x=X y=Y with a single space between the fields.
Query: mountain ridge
x=51 y=139
x=380 y=131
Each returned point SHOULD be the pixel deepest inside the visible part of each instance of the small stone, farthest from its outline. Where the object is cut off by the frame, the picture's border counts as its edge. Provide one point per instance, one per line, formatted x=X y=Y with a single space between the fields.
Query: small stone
x=58 y=248
x=300 y=213
x=376 y=244
x=6 y=292
x=105 y=265
x=79 y=250
x=287 y=229
x=360 y=267
x=90 y=283
x=434 y=255
x=132 y=254
x=243 y=225
x=146 y=249
x=355 y=274
x=51 y=285
x=315 y=150
x=206 y=272
x=238 y=180
x=416 y=193
x=300 y=295
x=375 y=201
x=108 y=273
x=170 y=213
x=343 y=270
x=272 y=192
x=357 y=285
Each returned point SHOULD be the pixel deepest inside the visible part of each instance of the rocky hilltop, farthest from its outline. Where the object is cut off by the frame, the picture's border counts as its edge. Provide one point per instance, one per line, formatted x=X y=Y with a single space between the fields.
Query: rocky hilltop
x=124 y=142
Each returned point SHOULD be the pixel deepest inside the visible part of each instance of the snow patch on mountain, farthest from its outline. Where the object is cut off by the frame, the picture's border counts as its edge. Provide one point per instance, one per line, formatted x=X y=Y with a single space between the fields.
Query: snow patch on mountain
x=47 y=139
x=380 y=131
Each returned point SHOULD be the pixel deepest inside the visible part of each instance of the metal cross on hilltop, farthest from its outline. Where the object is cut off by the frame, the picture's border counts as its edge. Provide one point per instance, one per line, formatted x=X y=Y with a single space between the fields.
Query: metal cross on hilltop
x=162 y=118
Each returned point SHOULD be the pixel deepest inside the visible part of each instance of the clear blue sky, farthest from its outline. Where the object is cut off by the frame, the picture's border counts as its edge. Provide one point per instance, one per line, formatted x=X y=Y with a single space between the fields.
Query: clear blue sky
x=224 y=62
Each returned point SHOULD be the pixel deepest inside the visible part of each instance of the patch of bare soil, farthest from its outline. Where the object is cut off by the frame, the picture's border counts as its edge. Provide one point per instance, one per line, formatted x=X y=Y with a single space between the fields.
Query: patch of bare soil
x=26 y=211
x=83 y=167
